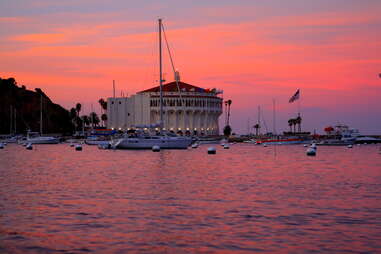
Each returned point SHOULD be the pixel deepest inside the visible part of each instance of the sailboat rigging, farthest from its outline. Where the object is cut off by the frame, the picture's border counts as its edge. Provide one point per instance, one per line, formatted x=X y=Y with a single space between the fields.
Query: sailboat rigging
x=164 y=140
x=37 y=138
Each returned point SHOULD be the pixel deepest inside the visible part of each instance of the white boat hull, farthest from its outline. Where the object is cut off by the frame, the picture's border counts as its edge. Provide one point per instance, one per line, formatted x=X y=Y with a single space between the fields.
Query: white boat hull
x=43 y=140
x=142 y=143
x=97 y=142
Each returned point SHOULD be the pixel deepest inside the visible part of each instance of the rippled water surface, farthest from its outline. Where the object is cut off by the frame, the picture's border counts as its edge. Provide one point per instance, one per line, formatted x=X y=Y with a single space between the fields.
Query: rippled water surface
x=243 y=200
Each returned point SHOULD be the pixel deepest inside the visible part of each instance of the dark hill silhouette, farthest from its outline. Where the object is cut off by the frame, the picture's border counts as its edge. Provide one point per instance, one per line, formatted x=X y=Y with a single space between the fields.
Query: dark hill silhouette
x=26 y=103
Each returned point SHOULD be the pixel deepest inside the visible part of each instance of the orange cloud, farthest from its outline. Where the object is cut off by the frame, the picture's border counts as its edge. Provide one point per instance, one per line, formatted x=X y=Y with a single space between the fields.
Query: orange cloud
x=41 y=38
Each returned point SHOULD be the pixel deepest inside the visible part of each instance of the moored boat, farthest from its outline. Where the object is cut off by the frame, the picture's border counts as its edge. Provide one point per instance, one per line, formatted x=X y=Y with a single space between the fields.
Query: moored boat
x=147 y=141
x=281 y=141
x=35 y=138
x=161 y=139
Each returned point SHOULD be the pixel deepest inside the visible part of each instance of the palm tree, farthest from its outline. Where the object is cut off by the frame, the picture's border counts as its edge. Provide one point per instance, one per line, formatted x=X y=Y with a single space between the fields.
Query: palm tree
x=101 y=102
x=294 y=124
x=227 y=130
x=226 y=112
x=290 y=124
x=299 y=123
x=229 y=103
x=94 y=119
x=104 y=119
x=73 y=114
x=78 y=107
x=257 y=127
x=104 y=106
x=86 y=120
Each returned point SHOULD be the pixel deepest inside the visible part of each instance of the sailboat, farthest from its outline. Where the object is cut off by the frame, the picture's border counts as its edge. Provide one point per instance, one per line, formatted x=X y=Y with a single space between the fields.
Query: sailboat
x=36 y=138
x=164 y=140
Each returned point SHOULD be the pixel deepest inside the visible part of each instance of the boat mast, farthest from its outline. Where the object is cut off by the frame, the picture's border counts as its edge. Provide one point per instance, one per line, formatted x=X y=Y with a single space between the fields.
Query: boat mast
x=274 y=123
x=10 y=119
x=15 y=121
x=259 y=120
x=161 y=78
x=41 y=115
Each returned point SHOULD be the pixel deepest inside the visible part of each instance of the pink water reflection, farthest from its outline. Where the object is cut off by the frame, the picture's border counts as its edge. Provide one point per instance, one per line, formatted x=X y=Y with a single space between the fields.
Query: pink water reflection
x=246 y=199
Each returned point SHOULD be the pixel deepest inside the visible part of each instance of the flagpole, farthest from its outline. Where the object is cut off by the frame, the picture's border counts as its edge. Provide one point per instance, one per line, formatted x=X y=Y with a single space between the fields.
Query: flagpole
x=299 y=103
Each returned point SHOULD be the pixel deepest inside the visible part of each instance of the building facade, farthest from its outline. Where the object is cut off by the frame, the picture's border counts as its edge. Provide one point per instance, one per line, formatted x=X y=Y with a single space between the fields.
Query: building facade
x=193 y=111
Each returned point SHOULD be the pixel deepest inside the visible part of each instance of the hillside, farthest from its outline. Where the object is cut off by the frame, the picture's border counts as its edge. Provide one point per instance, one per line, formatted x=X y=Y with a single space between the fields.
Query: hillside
x=26 y=105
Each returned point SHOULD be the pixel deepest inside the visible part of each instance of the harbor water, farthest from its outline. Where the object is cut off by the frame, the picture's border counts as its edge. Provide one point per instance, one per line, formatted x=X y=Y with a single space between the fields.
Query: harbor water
x=246 y=199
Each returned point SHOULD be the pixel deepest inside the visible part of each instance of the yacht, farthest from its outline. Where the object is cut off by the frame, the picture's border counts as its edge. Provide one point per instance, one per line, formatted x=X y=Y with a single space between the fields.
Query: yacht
x=100 y=137
x=36 y=138
x=144 y=140
x=166 y=140
x=343 y=136
x=96 y=140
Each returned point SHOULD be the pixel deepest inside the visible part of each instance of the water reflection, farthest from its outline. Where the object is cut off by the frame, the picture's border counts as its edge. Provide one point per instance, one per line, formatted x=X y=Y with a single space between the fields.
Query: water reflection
x=245 y=199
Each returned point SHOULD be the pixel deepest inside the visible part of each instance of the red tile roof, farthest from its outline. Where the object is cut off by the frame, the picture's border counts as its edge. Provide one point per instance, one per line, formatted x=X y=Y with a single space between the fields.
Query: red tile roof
x=172 y=87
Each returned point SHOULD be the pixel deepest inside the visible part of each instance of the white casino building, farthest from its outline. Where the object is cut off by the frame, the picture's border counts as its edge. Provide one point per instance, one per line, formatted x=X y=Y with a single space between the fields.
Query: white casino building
x=195 y=113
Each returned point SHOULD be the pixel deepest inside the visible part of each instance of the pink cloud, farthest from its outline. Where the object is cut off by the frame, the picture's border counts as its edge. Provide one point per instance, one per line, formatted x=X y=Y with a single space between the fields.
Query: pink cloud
x=324 y=54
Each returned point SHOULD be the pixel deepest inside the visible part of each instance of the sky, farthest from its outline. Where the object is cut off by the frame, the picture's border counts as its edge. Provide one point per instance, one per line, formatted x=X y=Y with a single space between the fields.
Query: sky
x=256 y=51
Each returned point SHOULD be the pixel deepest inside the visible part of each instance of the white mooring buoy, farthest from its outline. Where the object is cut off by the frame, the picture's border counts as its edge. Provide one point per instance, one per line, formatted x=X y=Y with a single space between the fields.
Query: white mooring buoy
x=226 y=146
x=29 y=146
x=311 y=151
x=211 y=150
x=156 y=149
x=264 y=145
x=305 y=145
x=195 y=145
x=350 y=146
x=78 y=147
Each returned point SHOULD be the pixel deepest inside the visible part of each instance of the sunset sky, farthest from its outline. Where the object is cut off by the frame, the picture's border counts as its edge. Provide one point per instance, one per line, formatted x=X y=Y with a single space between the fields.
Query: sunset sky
x=256 y=51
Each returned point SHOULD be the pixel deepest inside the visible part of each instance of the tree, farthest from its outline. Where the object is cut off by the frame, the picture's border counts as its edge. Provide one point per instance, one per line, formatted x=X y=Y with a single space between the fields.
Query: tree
x=78 y=107
x=227 y=130
x=78 y=122
x=298 y=121
x=329 y=130
x=290 y=123
x=294 y=124
x=257 y=127
x=101 y=102
x=228 y=103
x=86 y=120
x=94 y=119
x=104 y=119
x=73 y=114
x=226 y=112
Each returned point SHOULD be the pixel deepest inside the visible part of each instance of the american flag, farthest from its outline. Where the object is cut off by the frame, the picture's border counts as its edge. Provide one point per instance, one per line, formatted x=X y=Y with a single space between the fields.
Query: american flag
x=294 y=97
